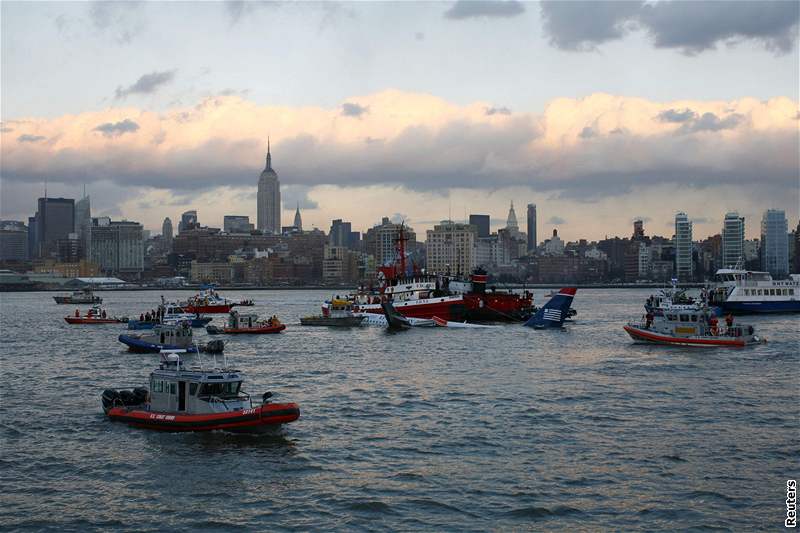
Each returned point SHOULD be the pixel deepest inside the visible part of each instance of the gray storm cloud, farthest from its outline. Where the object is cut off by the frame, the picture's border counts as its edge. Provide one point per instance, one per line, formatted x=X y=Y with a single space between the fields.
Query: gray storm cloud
x=464 y=9
x=115 y=129
x=146 y=84
x=350 y=109
x=691 y=27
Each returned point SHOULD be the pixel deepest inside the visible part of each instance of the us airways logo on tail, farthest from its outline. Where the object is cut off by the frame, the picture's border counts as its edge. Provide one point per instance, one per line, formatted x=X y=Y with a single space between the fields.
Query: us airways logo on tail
x=554 y=312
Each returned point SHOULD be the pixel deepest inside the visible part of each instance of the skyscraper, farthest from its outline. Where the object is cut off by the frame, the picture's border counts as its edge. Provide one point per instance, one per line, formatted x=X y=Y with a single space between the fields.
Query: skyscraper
x=166 y=230
x=638 y=230
x=684 y=269
x=511 y=222
x=775 y=243
x=188 y=221
x=298 y=221
x=269 y=198
x=482 y=222
x=531 y=228
x=118 y=247
x=732 y=239
x=83 y=226
x=55 y=219
x=339 y=234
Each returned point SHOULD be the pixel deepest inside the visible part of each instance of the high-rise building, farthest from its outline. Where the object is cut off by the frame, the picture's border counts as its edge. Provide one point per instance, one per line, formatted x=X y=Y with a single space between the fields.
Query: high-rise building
x=55 y=219
x=638 y=230
x=166 y=231
x=381 y=241
x=732 y=239
x=482 y=222
x=298 y=221
x=269 y=199
x=451 y=248
x=339 y=235
x=796 y=268
x=532 y=228
x=188 y=221
x=684 y=268
x=775 y=243
x=13 y=241
x=83 y=226
x=118 y=247
x=33 y=244
x=511 y=222
x=236 y=224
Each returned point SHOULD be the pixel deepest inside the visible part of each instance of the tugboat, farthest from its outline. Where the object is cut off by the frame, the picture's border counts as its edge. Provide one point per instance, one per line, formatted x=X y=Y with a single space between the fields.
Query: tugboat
x=248 y=323
x=195 y=398
x=86 y=296
x=207 y=301
x=95 y=315
x=172 y=336
x=691 y=328
x=340 y=315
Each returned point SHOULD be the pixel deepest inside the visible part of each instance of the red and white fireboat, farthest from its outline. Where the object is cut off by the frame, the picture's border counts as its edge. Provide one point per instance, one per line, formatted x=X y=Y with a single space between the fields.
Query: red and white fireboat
x=428 y=296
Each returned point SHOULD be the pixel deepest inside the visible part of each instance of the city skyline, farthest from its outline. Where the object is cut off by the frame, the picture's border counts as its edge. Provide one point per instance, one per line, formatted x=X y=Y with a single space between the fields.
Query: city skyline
x=163 y=134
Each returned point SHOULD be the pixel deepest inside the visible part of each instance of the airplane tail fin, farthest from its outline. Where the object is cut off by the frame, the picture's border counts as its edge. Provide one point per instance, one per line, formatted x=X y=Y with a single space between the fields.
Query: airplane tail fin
x=553 y=313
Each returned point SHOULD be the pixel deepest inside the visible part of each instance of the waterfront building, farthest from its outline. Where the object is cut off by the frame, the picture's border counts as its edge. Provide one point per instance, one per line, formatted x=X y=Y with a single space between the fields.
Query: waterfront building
x=684 y=267
x=220 y=273
x=55 y=219
x=483 y=223
x=532 y=228
x=775 y=243
x=381 y=241
x=236 y=224
x=451 y=248
x=83 y=226
x=340 y=264
x=796 y=268
x=188 y=221
x=732 y=239
x=118 y=247
x=269 y=199
x=13 y=241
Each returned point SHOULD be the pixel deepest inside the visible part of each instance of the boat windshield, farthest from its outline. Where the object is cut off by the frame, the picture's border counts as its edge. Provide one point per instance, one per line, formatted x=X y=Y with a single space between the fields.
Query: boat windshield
x=221 y=390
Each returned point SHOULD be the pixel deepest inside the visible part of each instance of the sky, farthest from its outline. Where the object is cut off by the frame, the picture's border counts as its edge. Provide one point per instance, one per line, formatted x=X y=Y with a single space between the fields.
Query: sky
x=598 y=112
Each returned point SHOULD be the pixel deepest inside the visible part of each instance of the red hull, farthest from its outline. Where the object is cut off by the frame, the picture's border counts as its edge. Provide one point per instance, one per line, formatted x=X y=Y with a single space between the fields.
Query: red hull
x=84 y=320
x=266 y=329
x=447 y=308
x=208 y=309
x=269 y=415
x=638 y=334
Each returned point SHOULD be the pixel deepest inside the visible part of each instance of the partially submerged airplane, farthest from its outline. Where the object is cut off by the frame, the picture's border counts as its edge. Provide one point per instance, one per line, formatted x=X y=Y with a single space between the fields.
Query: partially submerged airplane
x=555 y=312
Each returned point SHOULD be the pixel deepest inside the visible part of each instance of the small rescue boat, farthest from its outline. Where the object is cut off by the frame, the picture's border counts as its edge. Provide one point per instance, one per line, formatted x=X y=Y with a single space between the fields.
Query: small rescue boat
x=195 y=398
x=340 y=315
x=207 y=302
x=249 y=323
x=95 y=315
x=86 y=296
x=691 y=328
x=171 y=336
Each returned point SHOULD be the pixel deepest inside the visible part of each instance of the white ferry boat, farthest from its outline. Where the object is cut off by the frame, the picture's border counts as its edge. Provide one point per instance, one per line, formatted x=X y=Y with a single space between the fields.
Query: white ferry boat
x=745 y=291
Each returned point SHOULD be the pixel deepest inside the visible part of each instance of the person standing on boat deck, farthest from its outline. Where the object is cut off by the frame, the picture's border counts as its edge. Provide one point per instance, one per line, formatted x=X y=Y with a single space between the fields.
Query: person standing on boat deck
x=729 y=320
x=77 y=313
x=103 y=314
x=141 y=317
x=649 y=320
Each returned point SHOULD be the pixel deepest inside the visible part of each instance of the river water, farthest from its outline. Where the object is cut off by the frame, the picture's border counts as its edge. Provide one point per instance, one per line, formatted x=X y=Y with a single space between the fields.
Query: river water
x=434 y=429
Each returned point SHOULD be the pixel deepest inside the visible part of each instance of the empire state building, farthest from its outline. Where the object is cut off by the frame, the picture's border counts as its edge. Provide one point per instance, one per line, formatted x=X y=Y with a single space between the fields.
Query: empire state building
x=269 y=199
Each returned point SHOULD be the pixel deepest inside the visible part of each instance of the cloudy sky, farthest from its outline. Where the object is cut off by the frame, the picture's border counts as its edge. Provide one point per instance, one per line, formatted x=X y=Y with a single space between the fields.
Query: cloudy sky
x=598 y=112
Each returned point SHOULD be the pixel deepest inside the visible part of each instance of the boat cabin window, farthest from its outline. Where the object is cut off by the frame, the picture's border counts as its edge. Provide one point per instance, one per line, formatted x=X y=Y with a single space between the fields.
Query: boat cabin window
x=684 y=318
x=222 y=390
x=791 y=292
x=173 y=388
x=694 y=318
x=192 y=389
x=671 y=317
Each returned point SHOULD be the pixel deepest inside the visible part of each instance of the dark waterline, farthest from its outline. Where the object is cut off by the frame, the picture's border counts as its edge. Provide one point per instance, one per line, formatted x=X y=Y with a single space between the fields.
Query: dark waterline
x=509 y=429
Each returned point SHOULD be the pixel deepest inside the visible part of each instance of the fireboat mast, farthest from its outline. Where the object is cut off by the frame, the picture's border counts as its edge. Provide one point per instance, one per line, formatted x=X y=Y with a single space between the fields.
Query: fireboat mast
x=400 y=243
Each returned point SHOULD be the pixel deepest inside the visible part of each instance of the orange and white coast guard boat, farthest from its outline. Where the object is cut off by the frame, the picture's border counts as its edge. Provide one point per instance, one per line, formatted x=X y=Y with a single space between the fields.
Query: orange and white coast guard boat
x=195 y=398
x=691 y=328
